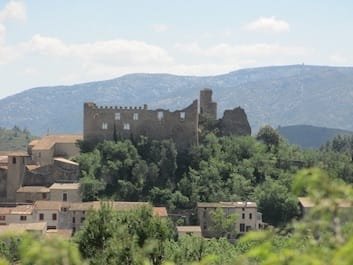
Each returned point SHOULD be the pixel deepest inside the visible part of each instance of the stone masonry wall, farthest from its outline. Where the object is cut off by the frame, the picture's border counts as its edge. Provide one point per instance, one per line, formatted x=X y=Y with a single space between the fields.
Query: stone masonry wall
x=102 y=123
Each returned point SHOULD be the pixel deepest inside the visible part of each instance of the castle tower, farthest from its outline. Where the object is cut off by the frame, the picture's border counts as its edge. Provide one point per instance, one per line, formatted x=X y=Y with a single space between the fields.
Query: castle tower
x=208 y=108
x=15 y=173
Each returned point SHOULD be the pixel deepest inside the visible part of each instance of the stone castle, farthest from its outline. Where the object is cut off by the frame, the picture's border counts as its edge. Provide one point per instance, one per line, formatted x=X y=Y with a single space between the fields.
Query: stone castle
x=109 y=123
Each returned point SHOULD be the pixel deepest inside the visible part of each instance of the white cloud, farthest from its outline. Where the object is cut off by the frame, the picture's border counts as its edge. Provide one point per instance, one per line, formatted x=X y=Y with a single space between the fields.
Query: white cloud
x=160 y=27
x=2 y=33
x=115 y=52
x=13 y=10
x=268 y=24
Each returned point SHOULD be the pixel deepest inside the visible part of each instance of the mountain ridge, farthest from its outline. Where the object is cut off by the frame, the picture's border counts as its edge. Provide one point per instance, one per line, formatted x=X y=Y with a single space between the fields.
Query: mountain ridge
x=275 y=95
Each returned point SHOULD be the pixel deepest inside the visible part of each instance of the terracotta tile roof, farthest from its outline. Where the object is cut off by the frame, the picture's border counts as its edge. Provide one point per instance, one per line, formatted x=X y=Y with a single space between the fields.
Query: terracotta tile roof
x=33 y=189
x=226 y=204
x=160 y=211
x=13 y=153
x=5 y=210
x=47 y=142
x=22 y=210
x=65 y=186
x=50 y=205
x=20 y=228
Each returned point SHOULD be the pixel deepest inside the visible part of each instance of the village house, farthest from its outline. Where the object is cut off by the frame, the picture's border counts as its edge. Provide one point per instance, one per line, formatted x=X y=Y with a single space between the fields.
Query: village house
x=247 y=216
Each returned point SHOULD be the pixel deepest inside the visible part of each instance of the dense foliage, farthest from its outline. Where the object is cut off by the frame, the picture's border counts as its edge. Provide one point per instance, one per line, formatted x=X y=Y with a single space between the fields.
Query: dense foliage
x=219 y=169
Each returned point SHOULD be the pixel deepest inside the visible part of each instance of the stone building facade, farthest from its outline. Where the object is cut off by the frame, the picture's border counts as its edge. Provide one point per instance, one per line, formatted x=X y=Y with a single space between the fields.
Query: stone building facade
x=247 y=216
x=109 y=123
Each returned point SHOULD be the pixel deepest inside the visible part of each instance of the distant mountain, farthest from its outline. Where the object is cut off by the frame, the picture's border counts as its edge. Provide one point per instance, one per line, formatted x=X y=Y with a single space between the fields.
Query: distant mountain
x=310 y=136
x=281 y=95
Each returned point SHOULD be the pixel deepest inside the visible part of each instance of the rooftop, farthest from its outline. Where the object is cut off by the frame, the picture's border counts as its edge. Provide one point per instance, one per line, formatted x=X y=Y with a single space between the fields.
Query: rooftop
x=40 y=226
x=22 y=210
x=240 y=204
x=33 y=189
x=66 y=161
x=95 y=205
x=50 y=205
x=306 y=202
x=47 y=142
x=160 y=211
x=13 y=153
x=65 y=186
x=189 y=229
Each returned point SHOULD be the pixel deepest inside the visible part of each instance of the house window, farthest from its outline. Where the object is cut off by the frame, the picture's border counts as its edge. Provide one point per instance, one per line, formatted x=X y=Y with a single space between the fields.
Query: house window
x=73 y=220
x=41 y=216
x=104 y=126
x=136 y=116
x=250 y=215
x=54 y=217
x=243 y=216
x=64 y=196
x=44 y=196
x=242 y=228
x=23 y=218
x=82 y=219
x=182 y=115
x=2 y=217
x=126 y=126
x=243 y=209
x=64 y=209
x=160 y=115
x=14 y=160
x=117 y=116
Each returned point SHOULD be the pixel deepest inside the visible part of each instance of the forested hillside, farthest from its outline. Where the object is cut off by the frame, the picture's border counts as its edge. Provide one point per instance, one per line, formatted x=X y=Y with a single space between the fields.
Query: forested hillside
x=14 y=139
x=308 y=136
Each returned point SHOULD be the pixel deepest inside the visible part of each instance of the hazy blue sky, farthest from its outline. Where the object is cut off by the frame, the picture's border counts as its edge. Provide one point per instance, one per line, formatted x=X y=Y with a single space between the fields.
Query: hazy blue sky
x=52 y=42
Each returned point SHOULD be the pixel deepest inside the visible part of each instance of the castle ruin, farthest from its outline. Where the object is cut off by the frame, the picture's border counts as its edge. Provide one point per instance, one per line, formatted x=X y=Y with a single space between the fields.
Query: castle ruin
x=111 y=123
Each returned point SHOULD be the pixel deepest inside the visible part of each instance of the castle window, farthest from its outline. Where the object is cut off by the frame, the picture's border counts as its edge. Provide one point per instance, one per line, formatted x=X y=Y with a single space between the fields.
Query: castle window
x=14 y=160
x=136 y=116
x=104 y=126
x=160 y=115
x=126 y=126
x=41 y=216
x=117 y=116
x=65 y=197
x=250 y=215
x=182 y=115
x=2 y=218
x=23 y=218
x=54 y=217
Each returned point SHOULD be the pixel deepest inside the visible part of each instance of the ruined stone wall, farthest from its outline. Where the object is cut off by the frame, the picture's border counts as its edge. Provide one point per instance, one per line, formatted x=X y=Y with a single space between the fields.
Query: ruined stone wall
x=208 y=108
x=235 y=122
x=102 y=123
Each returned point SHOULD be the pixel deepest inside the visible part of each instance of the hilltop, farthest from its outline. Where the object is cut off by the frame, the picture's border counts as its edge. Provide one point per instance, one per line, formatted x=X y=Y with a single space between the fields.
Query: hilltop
x=278 y=95
x=308 y=136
